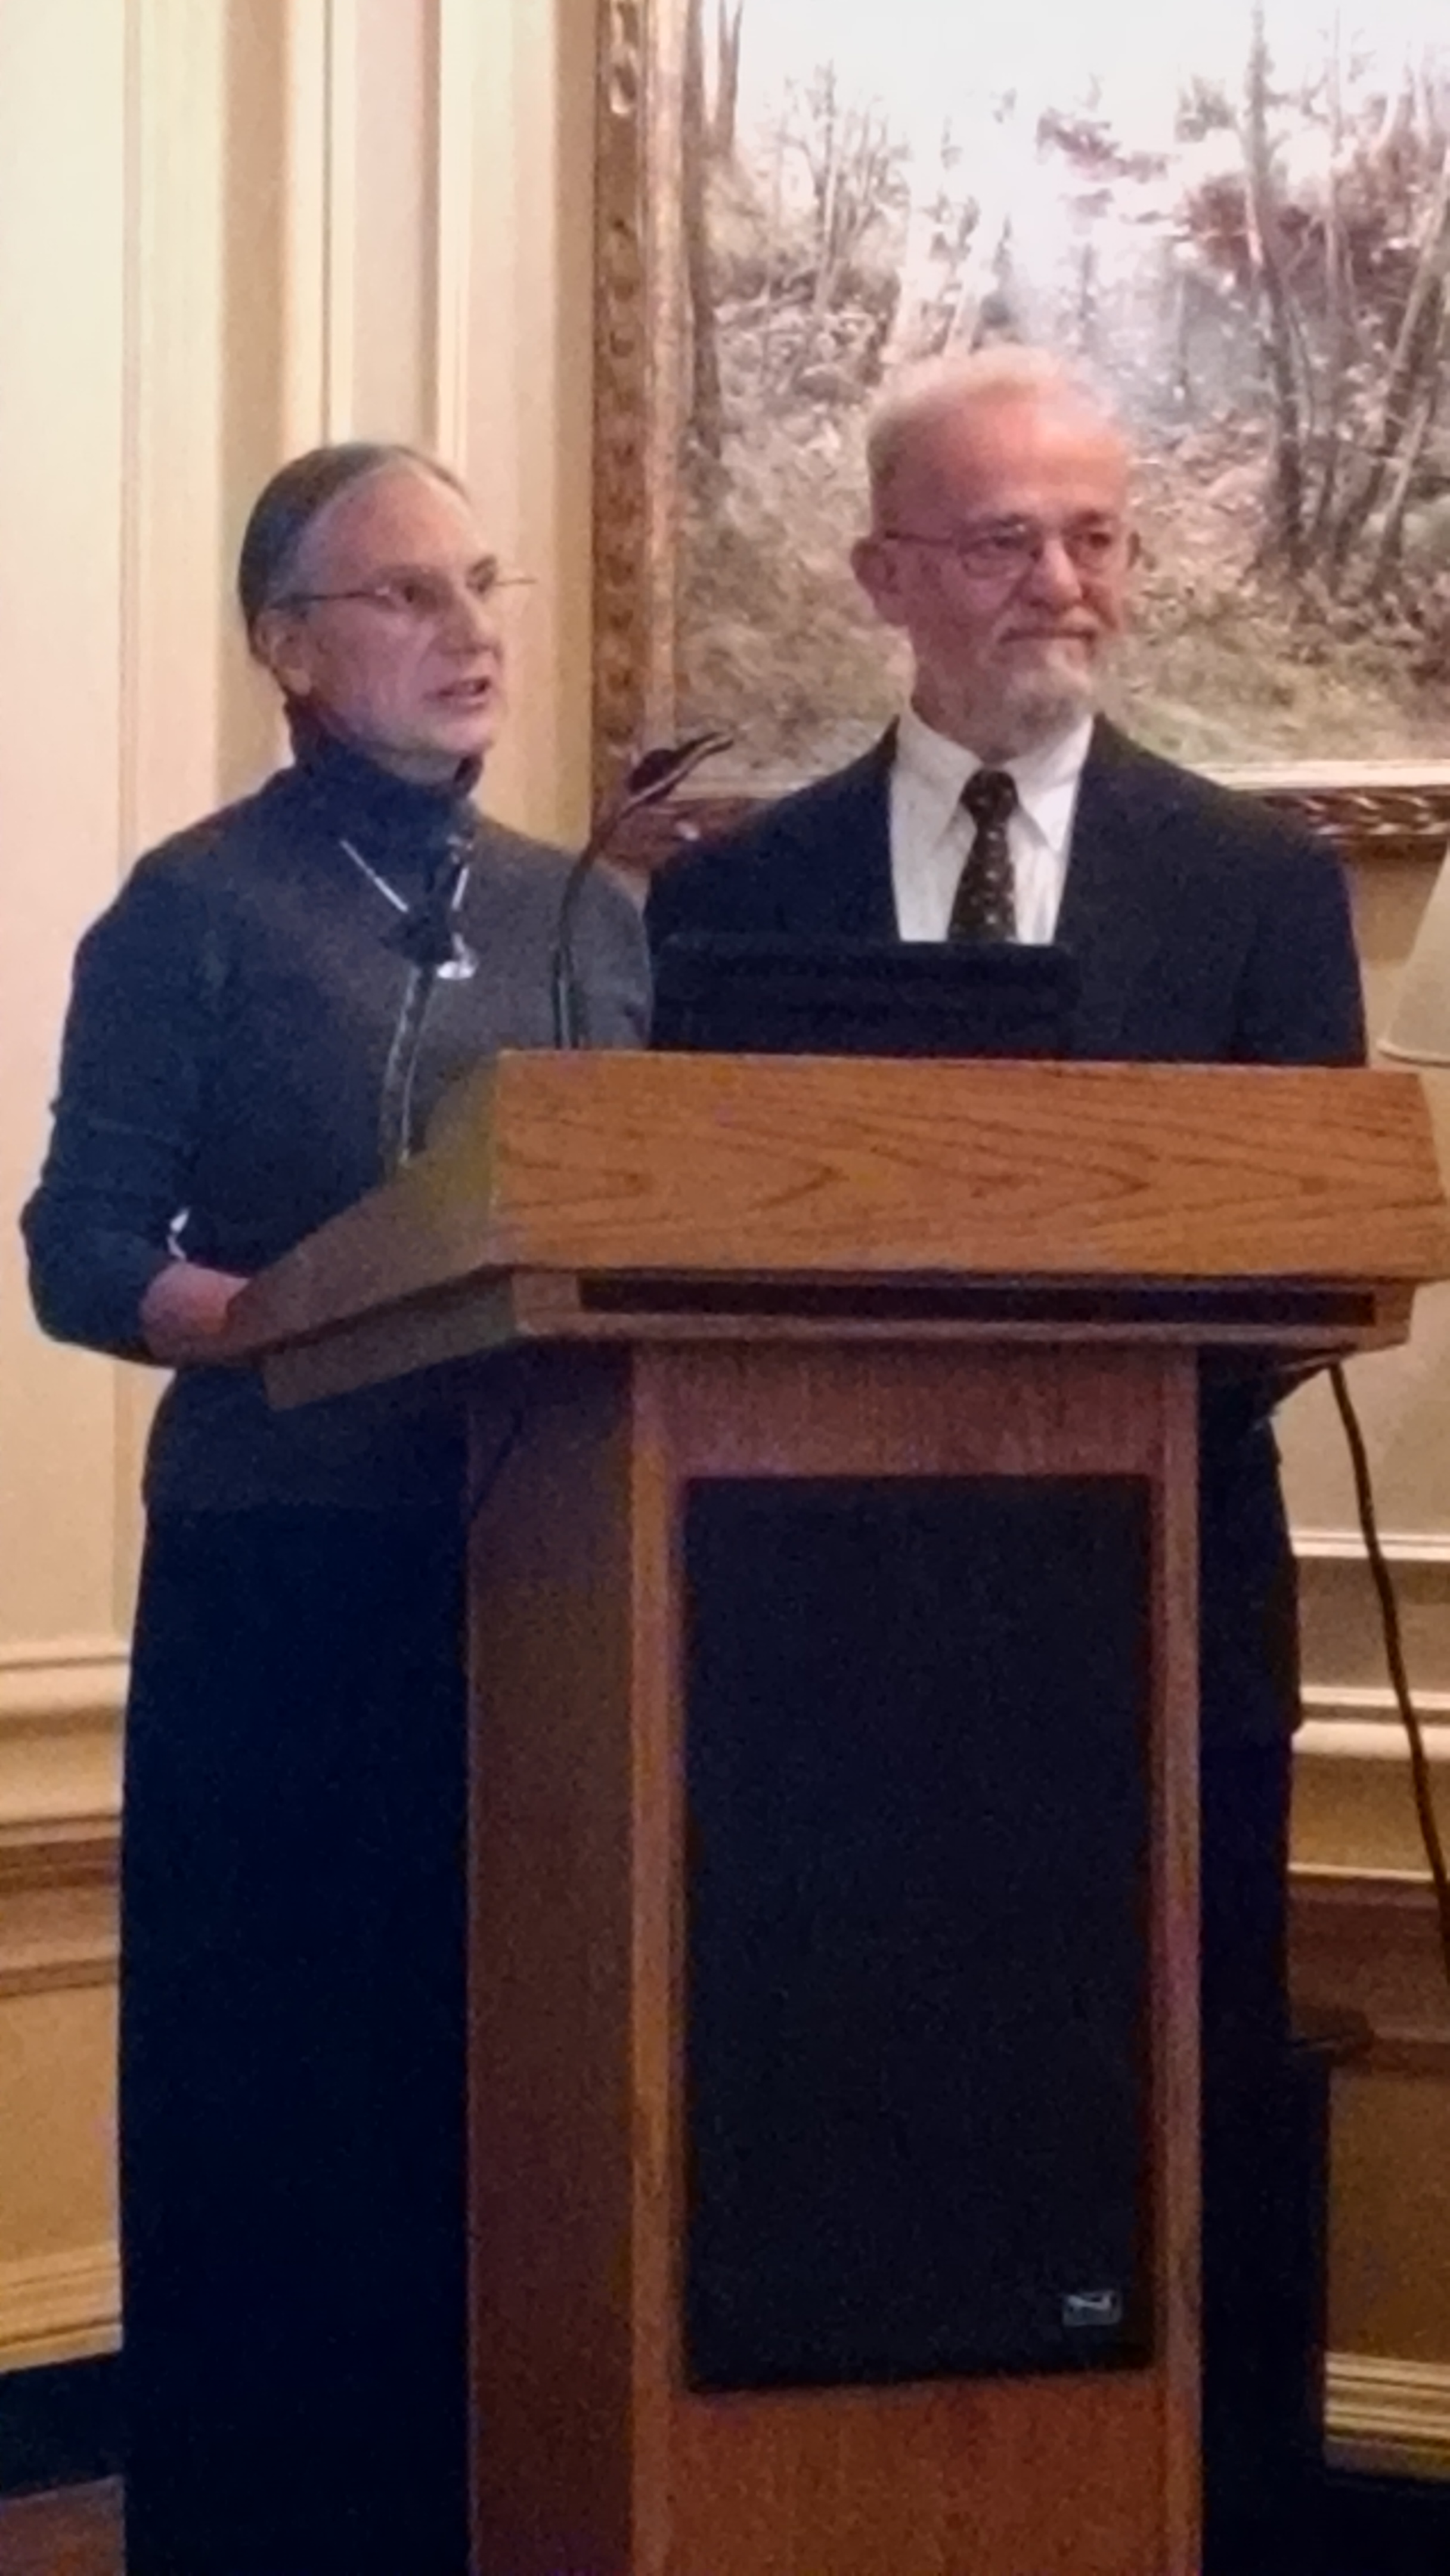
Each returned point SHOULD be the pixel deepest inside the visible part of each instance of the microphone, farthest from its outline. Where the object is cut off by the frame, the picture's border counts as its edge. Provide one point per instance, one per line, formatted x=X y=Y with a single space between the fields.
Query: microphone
x=649 y=781
x=426 y=934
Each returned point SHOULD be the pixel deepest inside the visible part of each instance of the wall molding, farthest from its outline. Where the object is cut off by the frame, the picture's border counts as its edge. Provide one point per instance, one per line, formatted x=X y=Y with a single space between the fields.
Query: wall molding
x=59 y=1967
x=63 y=1678
x=1388 y=2418
x=1354 y=1803
x=65 y=1851
x=64 y=2306
x=61 y=1704
x=1369 y=1941
x=1404 y=1547
x=59 y=1881
x=1344 y=1723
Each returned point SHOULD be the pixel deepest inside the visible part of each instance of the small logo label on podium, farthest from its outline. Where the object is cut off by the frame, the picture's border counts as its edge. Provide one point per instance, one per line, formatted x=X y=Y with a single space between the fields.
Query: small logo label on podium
x=1093 y=2308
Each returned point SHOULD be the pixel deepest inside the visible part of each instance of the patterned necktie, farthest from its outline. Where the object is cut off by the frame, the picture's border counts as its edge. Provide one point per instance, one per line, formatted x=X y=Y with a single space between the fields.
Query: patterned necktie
x=984 y=906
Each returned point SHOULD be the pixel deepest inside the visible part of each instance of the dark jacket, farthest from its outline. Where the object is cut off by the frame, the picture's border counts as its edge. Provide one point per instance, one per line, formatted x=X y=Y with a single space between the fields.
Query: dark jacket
x=1206 y=930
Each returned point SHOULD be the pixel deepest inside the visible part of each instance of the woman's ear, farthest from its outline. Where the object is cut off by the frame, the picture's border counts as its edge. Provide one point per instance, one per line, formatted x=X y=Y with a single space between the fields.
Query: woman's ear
x=280 y=642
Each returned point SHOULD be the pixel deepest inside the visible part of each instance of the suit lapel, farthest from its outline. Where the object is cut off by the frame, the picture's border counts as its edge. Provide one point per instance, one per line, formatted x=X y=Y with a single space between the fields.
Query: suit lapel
x=1118 y=893
x=1118 y=899
x=850 y=857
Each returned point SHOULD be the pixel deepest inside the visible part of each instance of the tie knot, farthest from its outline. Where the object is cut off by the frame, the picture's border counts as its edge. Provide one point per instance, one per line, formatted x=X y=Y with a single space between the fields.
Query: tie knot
x=990 y=795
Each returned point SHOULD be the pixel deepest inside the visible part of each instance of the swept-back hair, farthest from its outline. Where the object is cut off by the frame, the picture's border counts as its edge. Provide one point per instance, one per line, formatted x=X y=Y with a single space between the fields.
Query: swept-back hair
x=295 y=500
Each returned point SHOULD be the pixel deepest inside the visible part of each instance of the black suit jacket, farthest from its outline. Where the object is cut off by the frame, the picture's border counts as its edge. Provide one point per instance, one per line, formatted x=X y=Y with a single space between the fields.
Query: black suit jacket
x=1206 y=929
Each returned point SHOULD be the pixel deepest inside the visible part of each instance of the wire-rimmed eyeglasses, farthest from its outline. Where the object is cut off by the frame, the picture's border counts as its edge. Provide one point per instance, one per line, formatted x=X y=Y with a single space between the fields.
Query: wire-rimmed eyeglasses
x=418 y=597
x=1007 y=548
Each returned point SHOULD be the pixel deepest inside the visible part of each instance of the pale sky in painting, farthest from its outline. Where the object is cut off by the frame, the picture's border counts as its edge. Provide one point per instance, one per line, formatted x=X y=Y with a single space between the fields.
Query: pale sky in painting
x=921 y=59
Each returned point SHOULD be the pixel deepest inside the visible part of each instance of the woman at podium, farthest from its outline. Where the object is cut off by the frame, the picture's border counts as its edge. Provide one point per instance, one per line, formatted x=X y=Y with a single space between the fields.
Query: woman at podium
x=236 y=1070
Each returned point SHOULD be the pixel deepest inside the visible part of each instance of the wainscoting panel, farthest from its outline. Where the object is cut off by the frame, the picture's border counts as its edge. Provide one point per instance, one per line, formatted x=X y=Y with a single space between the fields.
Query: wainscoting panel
x=1369 y=1941
x=1389 y=2418
x=59 y=2291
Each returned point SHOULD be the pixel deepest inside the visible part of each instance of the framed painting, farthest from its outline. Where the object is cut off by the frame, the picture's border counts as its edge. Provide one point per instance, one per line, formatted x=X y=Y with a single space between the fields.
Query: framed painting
x=1233 y=217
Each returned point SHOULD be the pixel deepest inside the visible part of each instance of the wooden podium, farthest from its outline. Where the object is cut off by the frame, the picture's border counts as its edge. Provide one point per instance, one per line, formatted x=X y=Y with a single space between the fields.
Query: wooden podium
x=702 y=1304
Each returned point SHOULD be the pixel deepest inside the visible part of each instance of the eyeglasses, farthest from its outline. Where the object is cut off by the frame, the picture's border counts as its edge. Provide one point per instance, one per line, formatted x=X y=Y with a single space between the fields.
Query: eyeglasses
x=417 y=598
x=1010 y=547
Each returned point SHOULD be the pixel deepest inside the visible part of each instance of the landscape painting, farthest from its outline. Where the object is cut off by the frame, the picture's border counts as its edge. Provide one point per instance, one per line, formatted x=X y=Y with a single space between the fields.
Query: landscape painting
x=1233 y=216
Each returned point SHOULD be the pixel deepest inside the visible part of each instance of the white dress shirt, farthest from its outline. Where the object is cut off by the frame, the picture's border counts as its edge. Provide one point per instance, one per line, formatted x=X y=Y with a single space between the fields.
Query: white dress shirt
x=931 y=834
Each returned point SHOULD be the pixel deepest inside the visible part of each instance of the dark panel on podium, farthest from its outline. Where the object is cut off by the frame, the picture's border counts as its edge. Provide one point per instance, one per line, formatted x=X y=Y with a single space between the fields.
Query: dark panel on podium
x=917 y=1857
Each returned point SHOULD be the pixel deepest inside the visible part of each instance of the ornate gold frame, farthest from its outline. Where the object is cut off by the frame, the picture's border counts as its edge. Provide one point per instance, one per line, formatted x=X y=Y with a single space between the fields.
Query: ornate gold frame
x=1373 y=811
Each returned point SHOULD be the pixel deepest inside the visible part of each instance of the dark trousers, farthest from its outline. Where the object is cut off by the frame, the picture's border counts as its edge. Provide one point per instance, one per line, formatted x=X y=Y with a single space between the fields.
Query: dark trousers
x=292 y=2109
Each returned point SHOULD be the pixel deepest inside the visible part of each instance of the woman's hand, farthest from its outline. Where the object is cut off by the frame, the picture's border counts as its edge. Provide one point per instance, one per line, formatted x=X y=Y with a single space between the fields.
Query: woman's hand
x=184 y=1313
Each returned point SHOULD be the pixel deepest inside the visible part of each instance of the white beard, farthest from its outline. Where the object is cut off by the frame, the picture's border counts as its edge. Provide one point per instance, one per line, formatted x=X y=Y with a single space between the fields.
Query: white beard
x=1035 y=704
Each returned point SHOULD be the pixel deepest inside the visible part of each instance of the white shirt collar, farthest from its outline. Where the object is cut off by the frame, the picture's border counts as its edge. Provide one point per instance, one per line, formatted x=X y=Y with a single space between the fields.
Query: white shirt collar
x=1046 y=777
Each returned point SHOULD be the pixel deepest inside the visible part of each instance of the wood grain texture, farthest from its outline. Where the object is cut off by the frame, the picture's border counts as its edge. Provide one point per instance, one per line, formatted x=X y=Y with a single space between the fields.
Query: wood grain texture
x=556 y=2142
x=591 y=2451
x=839 y=1168
x=434 y=1332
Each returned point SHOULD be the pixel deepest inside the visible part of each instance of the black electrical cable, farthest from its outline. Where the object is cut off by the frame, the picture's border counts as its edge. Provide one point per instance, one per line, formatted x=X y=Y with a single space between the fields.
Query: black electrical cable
x=1395 y=1658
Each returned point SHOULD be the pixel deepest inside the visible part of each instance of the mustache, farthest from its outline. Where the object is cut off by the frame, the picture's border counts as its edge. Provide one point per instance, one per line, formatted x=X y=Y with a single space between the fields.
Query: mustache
x=1082 y=631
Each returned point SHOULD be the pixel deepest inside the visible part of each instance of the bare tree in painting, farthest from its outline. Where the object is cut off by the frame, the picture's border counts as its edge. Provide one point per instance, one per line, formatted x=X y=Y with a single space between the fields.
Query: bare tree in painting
x=723 y=122
x=852 y=158
x=1285 y=533
x=706 y=420
x=1338 y=298
x=942 y=226
x=1408 y=401
x=1348 y=275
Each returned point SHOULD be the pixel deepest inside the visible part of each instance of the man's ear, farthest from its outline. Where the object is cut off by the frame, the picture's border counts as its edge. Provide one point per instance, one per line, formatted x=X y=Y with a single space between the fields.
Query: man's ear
x=876 y=566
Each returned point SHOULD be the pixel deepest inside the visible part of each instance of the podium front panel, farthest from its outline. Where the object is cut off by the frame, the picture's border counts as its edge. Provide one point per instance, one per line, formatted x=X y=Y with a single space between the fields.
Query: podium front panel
x=721 y=1957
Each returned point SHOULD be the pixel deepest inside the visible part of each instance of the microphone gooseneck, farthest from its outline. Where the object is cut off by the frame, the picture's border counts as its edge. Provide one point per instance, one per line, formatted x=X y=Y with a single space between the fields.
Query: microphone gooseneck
x=651 y=779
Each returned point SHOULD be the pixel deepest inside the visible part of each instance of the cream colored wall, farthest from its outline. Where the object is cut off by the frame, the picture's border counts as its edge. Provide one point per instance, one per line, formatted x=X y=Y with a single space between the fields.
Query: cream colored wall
x=63 y=430
x=1364 y=1922
x=228 y=228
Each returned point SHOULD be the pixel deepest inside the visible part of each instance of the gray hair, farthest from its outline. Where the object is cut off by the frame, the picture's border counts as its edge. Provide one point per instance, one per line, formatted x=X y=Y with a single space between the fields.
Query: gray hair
x=936 y=388
x=296 y=498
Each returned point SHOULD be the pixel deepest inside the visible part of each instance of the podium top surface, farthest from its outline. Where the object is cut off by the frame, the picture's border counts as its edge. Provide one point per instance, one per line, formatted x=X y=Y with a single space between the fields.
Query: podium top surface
x=837 y=1169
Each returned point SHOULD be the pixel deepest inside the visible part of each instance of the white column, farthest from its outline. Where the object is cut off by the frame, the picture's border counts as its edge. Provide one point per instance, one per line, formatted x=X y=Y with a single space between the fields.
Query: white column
x=529 y=392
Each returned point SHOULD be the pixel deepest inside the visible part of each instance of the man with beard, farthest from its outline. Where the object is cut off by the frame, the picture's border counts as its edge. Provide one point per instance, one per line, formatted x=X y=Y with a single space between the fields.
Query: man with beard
x=1001 y=804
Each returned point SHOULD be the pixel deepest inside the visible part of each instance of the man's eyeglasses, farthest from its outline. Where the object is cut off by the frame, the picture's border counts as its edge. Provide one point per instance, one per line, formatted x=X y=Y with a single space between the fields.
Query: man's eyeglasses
x=417 y=598
x=1009 y=548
